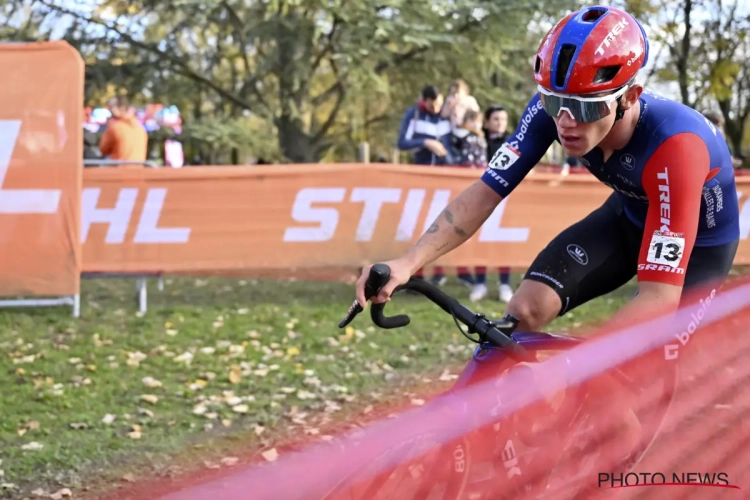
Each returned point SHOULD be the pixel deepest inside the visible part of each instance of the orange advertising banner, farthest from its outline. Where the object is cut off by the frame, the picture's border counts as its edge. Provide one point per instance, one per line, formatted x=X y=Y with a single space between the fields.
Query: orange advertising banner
x=41 y=103
x=223 y=219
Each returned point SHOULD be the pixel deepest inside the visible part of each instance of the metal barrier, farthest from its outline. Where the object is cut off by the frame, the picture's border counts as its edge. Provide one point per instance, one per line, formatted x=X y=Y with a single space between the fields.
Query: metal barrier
x=68 y=300
x=141 y=289
x=118 y=163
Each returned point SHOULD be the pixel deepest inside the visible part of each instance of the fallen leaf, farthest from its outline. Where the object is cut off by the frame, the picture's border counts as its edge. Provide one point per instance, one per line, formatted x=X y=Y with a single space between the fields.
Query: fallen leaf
x=211 y=465
x=235 y=375
x=150 y=398
x=32 y=446
x=234 y=401
x=199 y=410
x=78 y=426
x=150 y=382
x=145 y=412
x=21 y=431
x=171 y=332
x=39 y=492
x=186 y=357
x=417 y=402
x=109 y=418
x=129 y=478
x=292 y=351
x=63 y=493
x=270 y=455
x=240 y=409
x=135 y=432
x=226 y=422
x=259 y=429
x=229 y=461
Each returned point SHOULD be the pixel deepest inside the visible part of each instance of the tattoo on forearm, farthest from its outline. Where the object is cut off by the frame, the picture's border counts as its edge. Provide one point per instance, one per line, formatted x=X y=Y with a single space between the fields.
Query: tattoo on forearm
x=456 y=229
x=434 y=228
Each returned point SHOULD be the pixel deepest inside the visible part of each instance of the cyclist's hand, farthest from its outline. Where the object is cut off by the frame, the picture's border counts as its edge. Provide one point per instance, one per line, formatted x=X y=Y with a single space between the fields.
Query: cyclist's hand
x=400 y=274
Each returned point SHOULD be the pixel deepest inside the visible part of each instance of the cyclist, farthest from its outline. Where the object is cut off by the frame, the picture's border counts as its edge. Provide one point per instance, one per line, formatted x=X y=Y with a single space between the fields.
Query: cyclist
x=673 y=218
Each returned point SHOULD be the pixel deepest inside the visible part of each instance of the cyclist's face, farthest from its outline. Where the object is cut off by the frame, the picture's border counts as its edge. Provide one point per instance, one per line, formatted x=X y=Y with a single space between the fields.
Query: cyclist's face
x=579 y=138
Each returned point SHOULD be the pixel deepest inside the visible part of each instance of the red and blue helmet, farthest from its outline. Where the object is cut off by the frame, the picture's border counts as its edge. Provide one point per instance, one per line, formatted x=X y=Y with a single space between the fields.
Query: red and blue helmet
x=595 y=49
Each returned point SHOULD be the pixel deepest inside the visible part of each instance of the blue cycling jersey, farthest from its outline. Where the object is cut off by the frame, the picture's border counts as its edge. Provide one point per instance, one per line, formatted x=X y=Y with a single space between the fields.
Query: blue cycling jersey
x=675 y=176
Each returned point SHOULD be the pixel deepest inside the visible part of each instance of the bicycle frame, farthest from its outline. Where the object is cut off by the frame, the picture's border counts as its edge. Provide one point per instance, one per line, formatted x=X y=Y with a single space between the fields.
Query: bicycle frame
x=490 y=361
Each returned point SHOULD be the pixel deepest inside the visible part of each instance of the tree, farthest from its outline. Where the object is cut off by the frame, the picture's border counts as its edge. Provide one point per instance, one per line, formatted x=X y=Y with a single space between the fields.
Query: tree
x=705 y=43
x=302 y=65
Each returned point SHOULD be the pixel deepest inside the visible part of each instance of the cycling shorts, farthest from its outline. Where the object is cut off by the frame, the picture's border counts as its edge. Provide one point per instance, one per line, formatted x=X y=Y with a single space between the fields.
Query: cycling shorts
x=600 y=253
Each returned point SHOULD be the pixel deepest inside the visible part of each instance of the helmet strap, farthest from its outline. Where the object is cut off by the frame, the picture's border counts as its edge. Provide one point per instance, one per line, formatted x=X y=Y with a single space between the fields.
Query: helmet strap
x=619 y=112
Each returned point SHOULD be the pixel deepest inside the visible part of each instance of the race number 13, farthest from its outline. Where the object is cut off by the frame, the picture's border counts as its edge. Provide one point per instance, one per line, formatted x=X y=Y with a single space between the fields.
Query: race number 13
x=666 y=248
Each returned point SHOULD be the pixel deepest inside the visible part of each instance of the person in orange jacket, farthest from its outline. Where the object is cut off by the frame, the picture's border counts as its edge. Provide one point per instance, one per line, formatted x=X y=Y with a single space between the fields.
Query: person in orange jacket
x=124 y=139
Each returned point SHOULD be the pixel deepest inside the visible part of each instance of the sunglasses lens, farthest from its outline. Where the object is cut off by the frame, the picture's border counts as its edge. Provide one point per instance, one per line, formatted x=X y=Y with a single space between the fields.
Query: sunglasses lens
x=582 y=111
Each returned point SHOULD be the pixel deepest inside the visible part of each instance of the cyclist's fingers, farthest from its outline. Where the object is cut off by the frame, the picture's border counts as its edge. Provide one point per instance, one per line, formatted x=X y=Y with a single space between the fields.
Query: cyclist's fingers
x=360 y=286
x=387 y=290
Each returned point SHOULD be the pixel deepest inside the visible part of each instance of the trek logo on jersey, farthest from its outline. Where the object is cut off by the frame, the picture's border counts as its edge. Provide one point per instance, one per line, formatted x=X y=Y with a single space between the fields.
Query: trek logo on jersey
x=665 y=210
x=627 y=161
x=616 y=30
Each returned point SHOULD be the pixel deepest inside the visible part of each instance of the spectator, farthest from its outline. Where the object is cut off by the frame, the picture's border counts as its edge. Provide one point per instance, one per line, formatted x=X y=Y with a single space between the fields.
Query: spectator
x=124 y=139
x=459 y=101
x=425 y=132
x=469 y=145
x=91 y=146
x=718 y=120
x=496 y=133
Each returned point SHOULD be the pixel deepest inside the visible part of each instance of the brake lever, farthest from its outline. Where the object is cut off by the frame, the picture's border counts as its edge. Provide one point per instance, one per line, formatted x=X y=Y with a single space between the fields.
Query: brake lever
x=379 y=275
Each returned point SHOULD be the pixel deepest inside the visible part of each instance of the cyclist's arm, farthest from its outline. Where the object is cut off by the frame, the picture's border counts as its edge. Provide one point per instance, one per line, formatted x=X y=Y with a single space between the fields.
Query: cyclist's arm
x=673 y=180
x=465 y=215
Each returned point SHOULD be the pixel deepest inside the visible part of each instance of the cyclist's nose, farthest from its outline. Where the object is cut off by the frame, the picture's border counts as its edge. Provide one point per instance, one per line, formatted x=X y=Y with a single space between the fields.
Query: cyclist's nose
x=565 y=119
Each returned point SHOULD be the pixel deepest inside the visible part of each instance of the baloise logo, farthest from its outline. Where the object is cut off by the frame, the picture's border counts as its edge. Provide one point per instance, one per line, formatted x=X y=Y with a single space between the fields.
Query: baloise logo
x=578 y=254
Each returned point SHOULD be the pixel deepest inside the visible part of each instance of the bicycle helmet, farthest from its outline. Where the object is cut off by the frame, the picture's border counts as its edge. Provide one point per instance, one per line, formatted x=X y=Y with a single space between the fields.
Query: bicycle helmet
x=595 y=49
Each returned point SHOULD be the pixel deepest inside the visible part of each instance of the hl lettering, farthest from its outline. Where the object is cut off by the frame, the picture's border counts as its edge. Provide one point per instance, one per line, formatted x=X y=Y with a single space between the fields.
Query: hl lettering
x=118 y=218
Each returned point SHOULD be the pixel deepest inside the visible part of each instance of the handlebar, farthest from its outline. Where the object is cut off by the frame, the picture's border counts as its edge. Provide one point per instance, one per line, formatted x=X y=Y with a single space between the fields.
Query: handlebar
x=496 y=332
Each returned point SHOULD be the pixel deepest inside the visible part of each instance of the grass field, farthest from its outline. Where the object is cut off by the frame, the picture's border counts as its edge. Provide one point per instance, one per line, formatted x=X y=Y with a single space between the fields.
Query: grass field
x=214 y=364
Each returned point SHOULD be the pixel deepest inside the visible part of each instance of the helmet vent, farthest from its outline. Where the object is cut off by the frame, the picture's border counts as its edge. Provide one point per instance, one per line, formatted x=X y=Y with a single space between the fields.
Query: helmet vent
x=593 y=14
x=564 y=60
x=606 y=74
x=537 y=65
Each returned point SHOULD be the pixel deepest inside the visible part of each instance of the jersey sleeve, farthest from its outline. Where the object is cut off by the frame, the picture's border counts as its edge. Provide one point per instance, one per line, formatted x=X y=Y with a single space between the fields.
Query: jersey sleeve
x=522 y=151
x=673 y=179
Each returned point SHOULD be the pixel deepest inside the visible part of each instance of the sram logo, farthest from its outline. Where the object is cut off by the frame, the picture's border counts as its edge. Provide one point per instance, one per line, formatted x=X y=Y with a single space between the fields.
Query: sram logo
x=666 y=269
x=21 y=201
x=118 y=217
x=320 y=209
